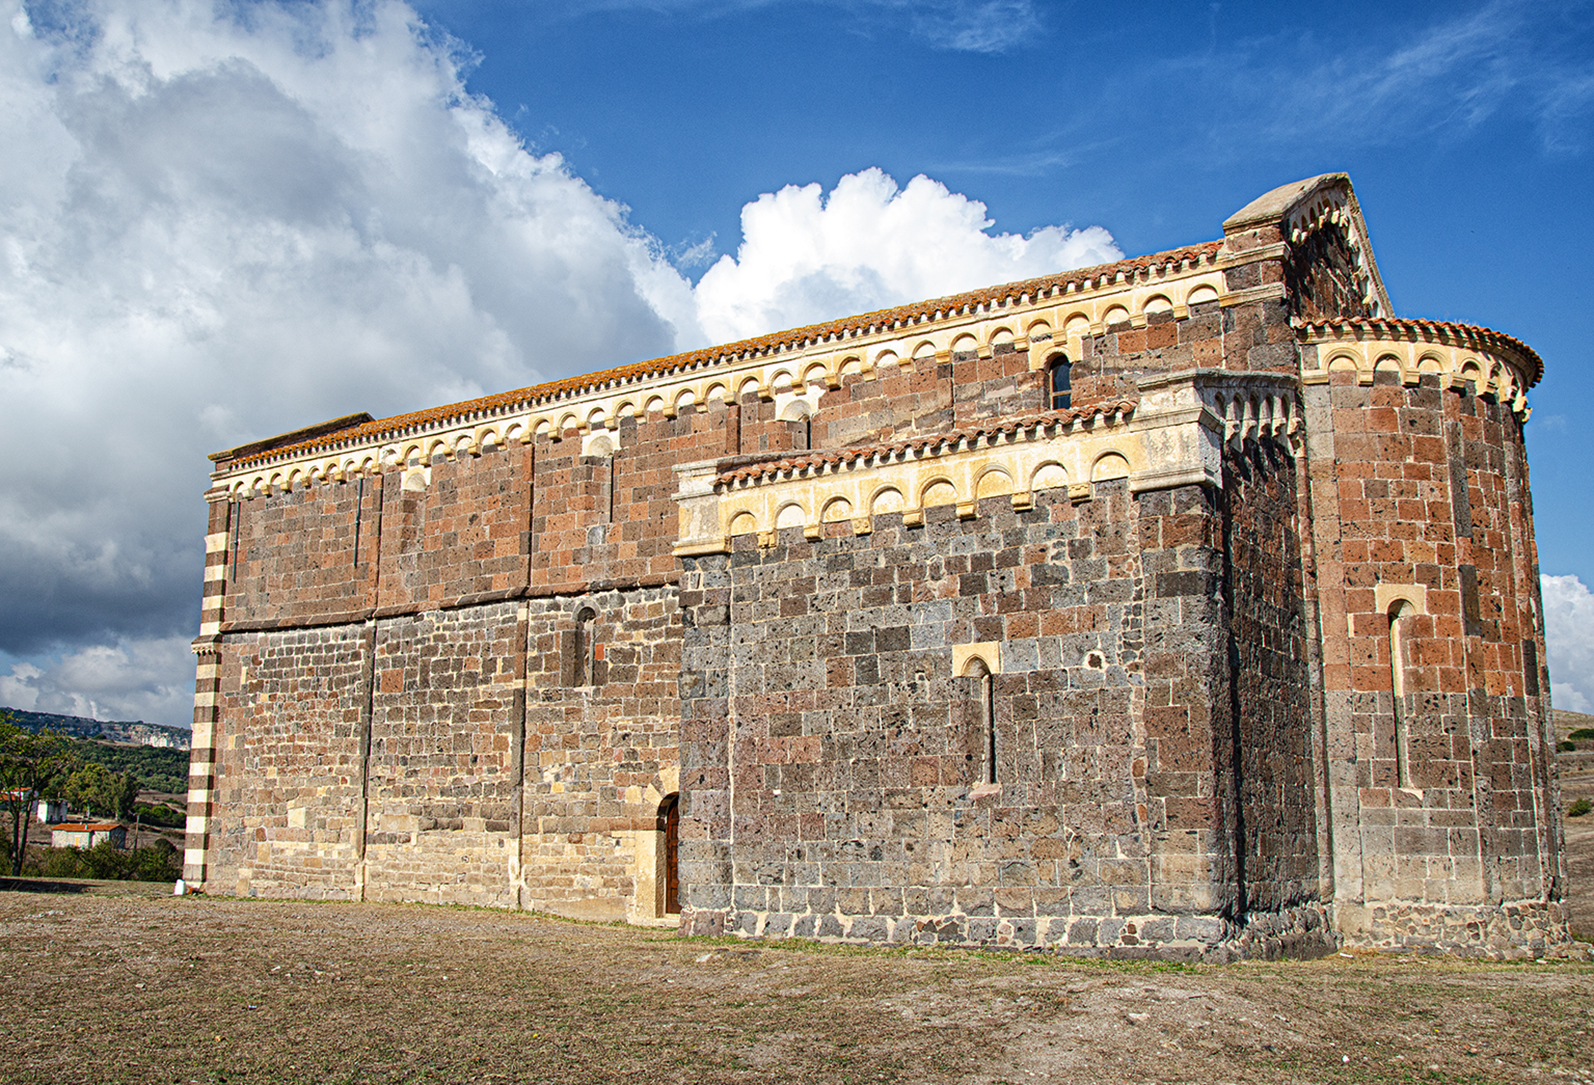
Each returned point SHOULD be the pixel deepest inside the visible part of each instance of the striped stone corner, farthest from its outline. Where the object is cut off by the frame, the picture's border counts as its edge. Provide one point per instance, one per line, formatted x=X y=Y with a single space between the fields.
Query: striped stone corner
x=201 y=761
x=207 y=684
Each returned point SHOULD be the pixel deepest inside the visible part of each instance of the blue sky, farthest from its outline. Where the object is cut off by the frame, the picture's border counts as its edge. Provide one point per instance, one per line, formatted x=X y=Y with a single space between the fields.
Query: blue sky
x=1467 y=130
x=225 y=221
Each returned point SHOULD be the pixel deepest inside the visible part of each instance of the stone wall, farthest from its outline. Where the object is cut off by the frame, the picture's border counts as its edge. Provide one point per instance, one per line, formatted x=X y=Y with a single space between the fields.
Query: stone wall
x=453 y=530
x=1110 y=363
x=380 y=639
x=601 y=753
x=442 y=820
x=401 y=759
x=1517 y=931
x=1439 y=771
x=834 y=764
x=927 y=394
x=302 y=557
x=1269 y=713
x=1504 y=664
x=1321 y=275
x=1149 y=675
x=290 y=763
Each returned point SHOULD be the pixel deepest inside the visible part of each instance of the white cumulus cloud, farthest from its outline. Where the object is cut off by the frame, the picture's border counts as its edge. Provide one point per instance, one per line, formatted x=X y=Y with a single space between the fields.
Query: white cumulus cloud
x=217 y=223
x=141 y=678
x=806 y=256
x=1569 y=639
x=223 y=221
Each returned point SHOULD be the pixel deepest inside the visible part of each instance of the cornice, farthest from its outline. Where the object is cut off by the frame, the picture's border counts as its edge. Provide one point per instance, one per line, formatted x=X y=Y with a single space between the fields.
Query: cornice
x=1428 y=331
x=1173 y=436
x=864 y=330
x=817 y=463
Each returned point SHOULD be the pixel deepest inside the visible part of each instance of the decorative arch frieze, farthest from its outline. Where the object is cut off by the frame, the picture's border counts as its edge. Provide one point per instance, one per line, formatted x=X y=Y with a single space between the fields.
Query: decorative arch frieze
x=1463 y=357
x=1173 y=436
x=1039 y=317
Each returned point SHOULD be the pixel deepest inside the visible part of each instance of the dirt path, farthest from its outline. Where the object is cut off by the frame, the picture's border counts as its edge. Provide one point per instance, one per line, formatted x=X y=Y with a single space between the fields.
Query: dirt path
x=1577 y=782
x=1579 y=854
x=130 y=988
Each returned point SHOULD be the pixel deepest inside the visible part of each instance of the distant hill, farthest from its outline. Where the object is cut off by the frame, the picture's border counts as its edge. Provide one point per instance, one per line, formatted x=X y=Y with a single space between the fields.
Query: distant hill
x=1570 y=721
x=134 y=733
x=161 y=765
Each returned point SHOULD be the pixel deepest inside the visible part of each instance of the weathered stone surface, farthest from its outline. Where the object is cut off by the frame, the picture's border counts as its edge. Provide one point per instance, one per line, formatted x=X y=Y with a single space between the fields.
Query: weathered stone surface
x=1238 y=652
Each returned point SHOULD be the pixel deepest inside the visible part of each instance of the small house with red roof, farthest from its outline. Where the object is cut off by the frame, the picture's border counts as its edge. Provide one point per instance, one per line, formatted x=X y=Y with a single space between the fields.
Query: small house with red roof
x=87 y=834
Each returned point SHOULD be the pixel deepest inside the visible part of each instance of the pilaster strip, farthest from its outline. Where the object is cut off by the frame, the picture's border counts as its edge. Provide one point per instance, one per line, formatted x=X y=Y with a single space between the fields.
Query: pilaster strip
x=207 y=690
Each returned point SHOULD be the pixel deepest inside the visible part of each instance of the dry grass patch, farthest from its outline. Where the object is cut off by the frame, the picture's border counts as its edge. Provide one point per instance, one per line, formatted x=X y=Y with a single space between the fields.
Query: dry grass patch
x=113 y=986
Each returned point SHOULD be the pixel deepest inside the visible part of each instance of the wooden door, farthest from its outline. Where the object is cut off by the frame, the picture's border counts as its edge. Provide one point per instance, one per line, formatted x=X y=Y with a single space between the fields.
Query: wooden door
x=672 y=869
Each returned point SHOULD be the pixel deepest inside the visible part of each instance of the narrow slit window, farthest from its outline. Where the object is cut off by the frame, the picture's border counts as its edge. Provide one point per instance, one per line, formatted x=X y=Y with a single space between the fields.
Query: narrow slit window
x=984 y=712
x=1397 y=689
x=583 y=648
x=988 y=710
x=1060 y=380
x=359 y=512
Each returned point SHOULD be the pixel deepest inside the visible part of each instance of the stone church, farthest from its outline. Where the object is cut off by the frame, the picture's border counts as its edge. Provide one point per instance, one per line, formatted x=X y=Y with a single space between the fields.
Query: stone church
x=1183 y=606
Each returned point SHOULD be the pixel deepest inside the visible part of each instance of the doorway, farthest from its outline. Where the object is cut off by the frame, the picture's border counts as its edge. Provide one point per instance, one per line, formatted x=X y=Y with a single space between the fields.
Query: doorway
x=670 y=825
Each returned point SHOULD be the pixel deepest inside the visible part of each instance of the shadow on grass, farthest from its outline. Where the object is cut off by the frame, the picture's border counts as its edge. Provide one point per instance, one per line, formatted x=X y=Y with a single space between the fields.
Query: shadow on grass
x=44 y=885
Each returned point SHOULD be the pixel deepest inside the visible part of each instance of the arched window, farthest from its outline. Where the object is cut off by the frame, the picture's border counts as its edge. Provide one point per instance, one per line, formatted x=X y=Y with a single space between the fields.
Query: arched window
x=985 y=715
x=583 y=648
x=1060 y=382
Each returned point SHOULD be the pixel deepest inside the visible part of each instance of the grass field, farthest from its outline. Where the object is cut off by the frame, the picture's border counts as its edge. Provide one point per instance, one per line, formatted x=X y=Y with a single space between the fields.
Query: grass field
x=124 y=983
x=120 y=985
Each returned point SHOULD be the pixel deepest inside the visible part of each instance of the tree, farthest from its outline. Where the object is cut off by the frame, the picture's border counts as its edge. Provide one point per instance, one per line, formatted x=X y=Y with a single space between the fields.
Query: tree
x=30 y=765
x=95 y=787
x=126 y=795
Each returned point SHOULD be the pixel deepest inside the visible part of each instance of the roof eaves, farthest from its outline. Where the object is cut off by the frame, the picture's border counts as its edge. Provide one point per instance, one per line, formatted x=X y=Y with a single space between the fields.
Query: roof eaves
x=927 y=442
x=862 y=324
x=1465 y=332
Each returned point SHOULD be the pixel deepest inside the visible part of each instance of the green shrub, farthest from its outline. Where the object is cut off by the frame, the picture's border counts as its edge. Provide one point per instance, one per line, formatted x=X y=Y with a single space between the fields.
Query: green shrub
x=156 y=863
x=1582 y=734
x=161 y=816
x=1579 y=808
x=1566 y=747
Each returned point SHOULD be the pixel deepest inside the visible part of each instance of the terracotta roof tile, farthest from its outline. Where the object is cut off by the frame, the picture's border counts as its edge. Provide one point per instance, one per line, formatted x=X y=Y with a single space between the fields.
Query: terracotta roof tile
x=883 y=318
x=1011 y=424
x=1468 y=333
